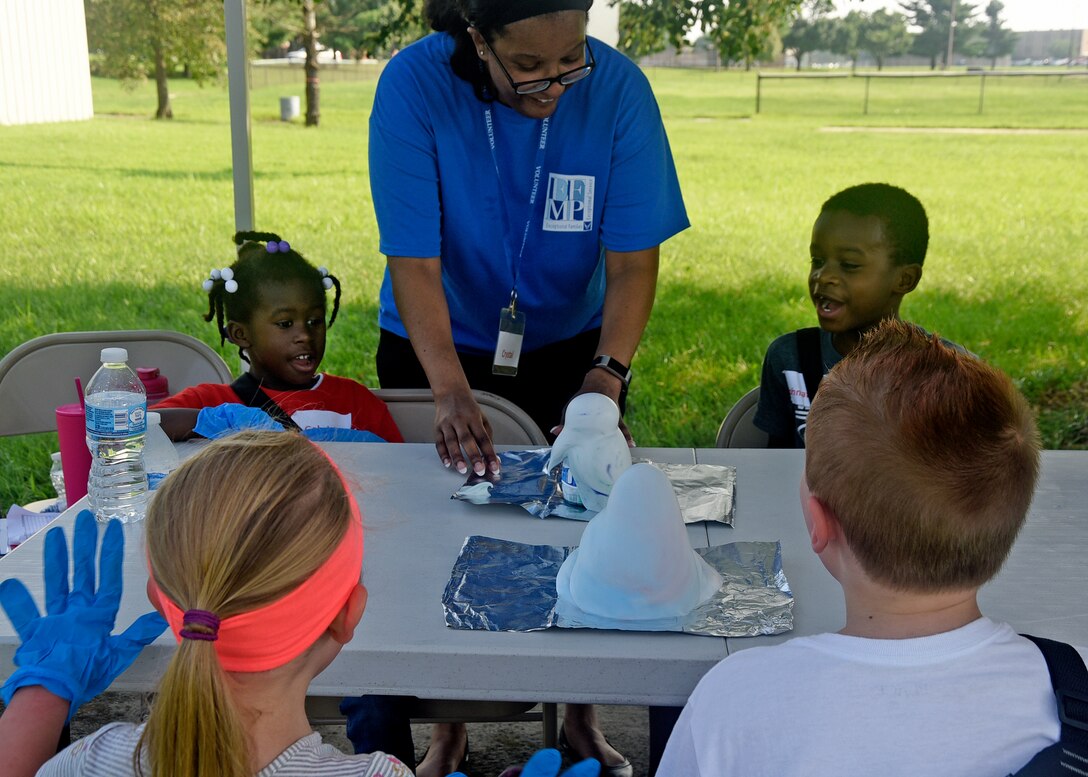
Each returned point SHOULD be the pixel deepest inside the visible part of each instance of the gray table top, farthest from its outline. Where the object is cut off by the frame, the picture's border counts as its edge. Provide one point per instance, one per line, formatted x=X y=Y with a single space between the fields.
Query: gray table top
x=414 y=532
x=1041 y=589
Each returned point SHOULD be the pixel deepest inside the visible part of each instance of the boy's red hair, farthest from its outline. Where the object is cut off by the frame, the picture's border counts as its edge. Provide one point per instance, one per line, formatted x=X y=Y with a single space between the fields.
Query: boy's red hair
x=927 y=456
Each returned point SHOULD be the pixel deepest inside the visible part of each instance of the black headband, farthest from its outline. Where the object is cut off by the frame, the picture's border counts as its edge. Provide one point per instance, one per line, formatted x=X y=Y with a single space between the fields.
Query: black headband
x=516 y=10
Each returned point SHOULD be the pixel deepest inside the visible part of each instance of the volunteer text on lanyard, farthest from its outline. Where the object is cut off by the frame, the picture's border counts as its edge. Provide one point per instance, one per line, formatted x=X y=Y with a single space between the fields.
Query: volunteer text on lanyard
x=512 y=320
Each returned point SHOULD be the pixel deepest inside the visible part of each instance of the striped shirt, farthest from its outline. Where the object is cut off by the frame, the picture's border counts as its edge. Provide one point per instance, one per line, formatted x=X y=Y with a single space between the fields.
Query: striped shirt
x=109 y=751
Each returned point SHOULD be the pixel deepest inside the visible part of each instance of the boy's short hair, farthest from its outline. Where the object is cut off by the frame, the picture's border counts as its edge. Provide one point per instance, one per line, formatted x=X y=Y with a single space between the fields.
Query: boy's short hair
x=927 y=456
x=906 y=226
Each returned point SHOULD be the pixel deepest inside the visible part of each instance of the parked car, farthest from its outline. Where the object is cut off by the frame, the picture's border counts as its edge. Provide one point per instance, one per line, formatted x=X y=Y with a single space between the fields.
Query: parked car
x=324 y=55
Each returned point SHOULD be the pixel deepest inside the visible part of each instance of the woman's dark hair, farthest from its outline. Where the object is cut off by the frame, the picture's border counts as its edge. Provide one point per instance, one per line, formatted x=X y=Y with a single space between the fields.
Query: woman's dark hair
x=489 y=17
x=257 y=265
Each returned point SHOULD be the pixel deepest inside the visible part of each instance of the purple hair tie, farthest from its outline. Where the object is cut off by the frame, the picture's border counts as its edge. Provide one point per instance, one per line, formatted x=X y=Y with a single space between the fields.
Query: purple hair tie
x=282 y=246
x=208 y=620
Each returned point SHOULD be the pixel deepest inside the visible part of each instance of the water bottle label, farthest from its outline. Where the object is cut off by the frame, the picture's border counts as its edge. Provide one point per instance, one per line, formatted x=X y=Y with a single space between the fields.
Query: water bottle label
x=116 y=421
x=154 y=479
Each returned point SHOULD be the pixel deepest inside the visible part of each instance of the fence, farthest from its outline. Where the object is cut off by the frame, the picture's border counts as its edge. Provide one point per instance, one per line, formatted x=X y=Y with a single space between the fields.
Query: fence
x=279 y=72
x=868 y=78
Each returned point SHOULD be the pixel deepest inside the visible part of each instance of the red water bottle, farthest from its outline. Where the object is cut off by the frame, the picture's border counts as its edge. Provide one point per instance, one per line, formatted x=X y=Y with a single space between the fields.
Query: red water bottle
x=156 y=385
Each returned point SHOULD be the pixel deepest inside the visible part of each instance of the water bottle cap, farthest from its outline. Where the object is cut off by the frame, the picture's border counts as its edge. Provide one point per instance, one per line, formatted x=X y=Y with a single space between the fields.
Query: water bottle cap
x=55 y=456
x=153 y=418
x=114 y=355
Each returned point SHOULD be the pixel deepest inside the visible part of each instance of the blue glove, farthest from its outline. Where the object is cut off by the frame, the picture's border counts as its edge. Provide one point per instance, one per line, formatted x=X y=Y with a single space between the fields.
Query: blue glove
x=70 y=651
x=547 y=762
x=334 y=434
x=219 y=421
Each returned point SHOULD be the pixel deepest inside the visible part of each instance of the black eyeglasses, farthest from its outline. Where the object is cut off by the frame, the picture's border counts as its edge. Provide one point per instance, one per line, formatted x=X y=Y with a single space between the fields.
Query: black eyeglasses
x=541 y=84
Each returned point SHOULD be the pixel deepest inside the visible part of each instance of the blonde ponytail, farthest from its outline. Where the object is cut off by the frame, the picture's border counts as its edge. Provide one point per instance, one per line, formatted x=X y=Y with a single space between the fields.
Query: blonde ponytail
x=236 y=527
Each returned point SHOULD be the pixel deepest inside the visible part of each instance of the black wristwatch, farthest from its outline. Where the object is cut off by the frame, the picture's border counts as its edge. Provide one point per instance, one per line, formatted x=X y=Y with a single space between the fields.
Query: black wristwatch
x=616 y=367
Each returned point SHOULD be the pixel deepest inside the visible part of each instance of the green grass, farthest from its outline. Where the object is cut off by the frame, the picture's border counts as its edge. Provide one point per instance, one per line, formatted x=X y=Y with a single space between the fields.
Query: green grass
x=114 y=222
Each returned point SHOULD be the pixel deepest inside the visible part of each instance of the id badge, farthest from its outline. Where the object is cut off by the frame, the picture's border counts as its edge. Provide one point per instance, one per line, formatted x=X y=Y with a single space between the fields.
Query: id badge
x=508 y=348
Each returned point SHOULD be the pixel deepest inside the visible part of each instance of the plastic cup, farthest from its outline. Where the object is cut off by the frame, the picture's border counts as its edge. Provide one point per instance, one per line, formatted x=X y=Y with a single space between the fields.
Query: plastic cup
x=75 y=457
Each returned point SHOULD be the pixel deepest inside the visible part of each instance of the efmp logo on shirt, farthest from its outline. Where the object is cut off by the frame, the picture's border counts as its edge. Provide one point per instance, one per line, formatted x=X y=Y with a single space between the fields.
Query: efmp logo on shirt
x=569 y=205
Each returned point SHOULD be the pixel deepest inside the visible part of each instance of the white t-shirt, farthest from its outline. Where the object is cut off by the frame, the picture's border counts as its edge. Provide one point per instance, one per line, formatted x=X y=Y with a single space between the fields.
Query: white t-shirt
x=109 y=750
x=973 y=702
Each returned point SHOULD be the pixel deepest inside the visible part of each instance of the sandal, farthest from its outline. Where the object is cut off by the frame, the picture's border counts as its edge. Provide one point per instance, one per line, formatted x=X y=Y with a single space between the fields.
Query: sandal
x=624 y=769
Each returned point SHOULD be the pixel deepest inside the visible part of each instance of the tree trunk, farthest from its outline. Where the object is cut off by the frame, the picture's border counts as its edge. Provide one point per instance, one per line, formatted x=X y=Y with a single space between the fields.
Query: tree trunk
x=309 y=25
x=879 y=64
x=798 y=60
x=164 y=110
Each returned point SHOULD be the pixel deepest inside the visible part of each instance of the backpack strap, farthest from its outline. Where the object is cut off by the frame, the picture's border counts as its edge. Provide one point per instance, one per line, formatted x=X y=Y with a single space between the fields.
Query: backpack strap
x=811 y=358
x=1069 y=756
x=252 y=395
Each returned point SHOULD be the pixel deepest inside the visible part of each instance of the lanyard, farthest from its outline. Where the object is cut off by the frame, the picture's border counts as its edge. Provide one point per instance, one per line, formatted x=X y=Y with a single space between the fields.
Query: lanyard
x=515 y=262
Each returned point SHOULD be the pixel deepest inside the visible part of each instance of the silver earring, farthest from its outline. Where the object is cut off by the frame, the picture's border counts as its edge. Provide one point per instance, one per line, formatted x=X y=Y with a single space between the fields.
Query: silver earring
x=481 y=52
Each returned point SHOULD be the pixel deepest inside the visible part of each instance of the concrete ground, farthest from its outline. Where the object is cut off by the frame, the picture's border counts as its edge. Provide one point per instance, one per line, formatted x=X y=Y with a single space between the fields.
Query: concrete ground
x=493 y=746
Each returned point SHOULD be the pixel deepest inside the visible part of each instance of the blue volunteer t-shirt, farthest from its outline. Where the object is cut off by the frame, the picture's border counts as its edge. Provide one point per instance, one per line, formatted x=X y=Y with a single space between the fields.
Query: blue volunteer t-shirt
x=608 y=181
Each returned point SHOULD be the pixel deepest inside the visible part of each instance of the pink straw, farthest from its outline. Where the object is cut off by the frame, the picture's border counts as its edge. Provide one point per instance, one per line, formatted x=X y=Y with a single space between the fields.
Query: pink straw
x=79 y=390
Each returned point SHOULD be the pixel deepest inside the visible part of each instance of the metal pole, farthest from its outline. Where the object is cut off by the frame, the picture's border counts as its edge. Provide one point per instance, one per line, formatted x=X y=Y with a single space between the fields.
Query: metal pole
x=759 y=88
x=981 y=90
x=866 y=108
x=238 y=89
x=951 y=35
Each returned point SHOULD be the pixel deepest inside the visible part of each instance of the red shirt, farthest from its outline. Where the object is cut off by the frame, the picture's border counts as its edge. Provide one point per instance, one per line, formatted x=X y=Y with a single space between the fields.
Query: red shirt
x=333 y=402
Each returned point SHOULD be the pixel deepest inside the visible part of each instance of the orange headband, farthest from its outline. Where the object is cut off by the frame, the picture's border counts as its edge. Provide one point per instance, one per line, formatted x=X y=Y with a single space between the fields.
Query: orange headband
x=277 y=633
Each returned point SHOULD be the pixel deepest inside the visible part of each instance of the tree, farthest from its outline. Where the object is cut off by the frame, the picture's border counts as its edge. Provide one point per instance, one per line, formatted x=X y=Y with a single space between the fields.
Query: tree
x=934 y=17
x=806 y=36
x=846 y=36
x=884 y=35
x=139 y=37
x=741 y=30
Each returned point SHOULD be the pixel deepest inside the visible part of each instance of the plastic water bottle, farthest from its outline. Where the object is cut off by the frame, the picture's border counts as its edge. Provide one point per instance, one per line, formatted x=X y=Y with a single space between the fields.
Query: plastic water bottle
x=160 y=458
x=56 y=475
x=116 y=420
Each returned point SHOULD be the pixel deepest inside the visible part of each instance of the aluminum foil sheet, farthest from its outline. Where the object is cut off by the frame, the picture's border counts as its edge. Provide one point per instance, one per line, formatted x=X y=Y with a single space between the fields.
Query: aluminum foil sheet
x=704 y=491
x=498 y=585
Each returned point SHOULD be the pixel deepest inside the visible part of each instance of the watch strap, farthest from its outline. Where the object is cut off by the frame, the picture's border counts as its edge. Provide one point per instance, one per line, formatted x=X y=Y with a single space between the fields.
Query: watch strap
x=614 y=366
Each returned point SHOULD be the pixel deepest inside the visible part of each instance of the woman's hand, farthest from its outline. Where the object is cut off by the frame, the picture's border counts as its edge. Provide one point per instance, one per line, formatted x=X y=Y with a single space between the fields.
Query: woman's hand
x=462 y=430
x=599 y=381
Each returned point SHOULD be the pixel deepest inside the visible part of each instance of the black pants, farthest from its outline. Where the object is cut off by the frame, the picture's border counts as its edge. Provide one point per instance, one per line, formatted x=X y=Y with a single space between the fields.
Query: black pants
x=547 y=377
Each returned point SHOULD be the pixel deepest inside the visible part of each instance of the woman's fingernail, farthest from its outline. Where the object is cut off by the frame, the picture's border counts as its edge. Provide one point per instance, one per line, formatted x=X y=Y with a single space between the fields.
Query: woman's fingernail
x=495 y=467
x=462 y=468
x=446 y=463
x=554 y=430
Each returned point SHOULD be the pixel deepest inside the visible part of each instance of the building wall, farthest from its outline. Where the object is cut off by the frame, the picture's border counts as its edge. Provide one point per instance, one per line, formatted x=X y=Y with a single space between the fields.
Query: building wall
x=44 y=69
x=1040 y=44
x=604 y=22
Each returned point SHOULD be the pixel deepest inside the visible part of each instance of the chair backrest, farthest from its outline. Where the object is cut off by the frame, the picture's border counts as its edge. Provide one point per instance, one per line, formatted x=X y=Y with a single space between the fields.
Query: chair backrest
x=413 y=410
x=738 y=430
x=39 y=375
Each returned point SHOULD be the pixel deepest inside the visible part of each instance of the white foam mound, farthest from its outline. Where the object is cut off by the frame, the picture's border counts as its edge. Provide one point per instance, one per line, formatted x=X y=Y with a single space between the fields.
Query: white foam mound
x=635 y=561
x=593 y=446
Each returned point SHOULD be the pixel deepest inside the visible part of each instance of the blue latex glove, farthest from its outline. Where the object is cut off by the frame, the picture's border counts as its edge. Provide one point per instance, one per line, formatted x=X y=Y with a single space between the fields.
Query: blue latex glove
x=331 y=434
x=219 y=421
x=70 y=651
x=547 y=762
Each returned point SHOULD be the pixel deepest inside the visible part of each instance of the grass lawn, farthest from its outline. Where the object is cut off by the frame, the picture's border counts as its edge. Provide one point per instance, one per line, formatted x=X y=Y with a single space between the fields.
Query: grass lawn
x=113 y=224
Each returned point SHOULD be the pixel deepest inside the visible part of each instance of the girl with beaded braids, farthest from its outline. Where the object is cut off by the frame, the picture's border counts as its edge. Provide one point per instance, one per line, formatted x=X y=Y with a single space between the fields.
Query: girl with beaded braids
x=271 y=303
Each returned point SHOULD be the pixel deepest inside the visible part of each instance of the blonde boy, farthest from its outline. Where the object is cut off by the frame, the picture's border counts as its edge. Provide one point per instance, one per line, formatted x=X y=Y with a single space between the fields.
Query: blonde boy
x=920 y=466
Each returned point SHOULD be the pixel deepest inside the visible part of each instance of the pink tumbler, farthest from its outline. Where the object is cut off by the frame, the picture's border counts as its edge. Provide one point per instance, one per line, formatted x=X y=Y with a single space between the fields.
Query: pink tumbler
x=75 y=457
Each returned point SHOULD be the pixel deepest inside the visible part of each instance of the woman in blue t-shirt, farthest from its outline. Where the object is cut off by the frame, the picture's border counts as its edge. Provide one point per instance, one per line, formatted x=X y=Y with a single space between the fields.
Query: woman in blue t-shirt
x=522 y=183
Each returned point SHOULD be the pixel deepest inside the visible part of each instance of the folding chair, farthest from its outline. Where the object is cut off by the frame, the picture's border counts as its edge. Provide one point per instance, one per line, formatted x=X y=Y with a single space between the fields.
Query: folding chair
x=738 y=430
x=38 y=376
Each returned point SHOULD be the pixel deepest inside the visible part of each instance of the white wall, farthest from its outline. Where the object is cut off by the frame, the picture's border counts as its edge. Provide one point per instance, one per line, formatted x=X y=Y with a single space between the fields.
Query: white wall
x=44 y=71
x=604 y=22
